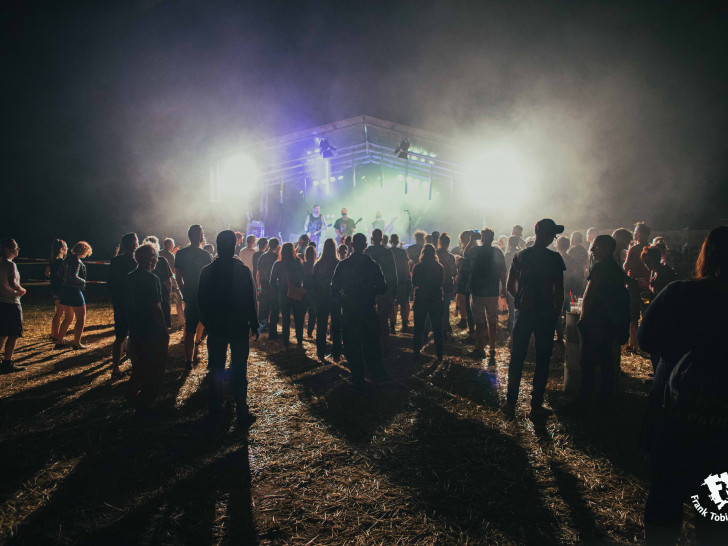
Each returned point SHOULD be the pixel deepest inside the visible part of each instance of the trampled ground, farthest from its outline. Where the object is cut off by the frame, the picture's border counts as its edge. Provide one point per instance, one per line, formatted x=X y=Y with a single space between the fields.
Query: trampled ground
x=426 y=458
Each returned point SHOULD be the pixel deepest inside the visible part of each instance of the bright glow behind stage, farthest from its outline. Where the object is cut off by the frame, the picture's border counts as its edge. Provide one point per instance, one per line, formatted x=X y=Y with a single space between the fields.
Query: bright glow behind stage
x=498 y=175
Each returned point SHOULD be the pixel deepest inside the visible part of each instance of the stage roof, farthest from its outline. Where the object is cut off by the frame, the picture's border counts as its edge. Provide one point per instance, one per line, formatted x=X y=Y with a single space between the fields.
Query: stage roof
x=359 y=141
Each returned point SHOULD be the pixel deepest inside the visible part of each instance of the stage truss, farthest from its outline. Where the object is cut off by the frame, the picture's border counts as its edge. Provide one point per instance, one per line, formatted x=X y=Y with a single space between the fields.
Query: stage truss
x=294 y=161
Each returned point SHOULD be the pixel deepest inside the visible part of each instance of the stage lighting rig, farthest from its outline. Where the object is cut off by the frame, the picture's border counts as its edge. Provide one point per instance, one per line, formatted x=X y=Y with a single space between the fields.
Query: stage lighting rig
x=401 y=151
x=326 y=149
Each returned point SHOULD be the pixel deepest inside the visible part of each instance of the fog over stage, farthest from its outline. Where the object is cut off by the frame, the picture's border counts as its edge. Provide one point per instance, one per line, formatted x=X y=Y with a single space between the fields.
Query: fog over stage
x=415 y=178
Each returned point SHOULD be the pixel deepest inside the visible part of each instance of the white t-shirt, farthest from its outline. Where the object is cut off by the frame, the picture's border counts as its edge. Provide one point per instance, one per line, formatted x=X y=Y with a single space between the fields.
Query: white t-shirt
x=8 y=293
x=246 y=256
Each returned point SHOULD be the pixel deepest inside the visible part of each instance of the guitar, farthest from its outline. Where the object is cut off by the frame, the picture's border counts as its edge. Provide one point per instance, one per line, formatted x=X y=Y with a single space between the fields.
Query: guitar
x=316 y=233
x=347 y=232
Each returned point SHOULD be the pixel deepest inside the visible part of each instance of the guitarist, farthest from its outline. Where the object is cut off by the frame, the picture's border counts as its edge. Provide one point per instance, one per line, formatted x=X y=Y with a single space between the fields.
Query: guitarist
x=315 y=224
x=379 y=223
x=344 y=226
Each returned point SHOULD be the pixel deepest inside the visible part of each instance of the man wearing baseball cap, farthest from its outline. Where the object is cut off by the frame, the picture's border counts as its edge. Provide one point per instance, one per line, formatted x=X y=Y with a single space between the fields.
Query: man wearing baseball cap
x=536 y=282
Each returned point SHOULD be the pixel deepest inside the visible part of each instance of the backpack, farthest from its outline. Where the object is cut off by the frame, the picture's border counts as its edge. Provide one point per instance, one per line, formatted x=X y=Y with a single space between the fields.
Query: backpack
x=695 y=392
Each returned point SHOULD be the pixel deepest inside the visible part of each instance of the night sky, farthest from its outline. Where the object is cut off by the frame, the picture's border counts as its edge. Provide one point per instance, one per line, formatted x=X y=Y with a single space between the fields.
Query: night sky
x=113 y=112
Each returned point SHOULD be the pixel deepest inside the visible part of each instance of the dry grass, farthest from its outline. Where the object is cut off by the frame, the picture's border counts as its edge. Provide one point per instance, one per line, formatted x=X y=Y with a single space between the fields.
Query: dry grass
x=428 y=458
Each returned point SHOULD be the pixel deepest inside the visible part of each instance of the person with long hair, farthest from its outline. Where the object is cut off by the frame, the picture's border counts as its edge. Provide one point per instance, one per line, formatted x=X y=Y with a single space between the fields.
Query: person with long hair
x=639 y=278
x=58 y=254
x=323 y=271
x=661 y=274
x=682 y=454
x=427 y=280
x=309 y=305
x=447 y=260
x=119 y=268
x=288 y=272
x=11 y=313
x=71 y=294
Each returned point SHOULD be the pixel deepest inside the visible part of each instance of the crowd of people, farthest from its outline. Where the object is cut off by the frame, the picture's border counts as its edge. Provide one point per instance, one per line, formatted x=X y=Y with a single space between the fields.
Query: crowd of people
x=622 y=284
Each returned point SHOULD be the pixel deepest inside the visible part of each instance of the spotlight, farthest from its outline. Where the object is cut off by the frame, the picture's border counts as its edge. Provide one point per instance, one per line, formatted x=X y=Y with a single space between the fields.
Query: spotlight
x=401 y=151
x=326 y=149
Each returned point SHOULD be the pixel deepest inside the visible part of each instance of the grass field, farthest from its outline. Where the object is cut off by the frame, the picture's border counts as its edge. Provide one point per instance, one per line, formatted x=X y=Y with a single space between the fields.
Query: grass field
x=428 y=458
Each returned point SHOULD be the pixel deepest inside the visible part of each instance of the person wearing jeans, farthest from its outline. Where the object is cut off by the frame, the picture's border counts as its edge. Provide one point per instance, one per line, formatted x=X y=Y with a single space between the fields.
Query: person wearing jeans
x=536 y=282
x=288 y=271
x=226 y=300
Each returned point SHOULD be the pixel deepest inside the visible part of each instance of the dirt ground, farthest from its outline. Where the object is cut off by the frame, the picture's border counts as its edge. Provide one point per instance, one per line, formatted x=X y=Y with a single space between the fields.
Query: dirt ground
x=426 y=458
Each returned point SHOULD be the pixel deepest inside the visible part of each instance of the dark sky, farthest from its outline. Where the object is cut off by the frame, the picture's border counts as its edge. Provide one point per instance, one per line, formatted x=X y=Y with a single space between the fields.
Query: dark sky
x=114 y=111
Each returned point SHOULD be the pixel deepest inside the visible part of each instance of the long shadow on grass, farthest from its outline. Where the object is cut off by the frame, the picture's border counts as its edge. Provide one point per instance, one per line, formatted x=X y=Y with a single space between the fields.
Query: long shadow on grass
x=161 y=480
x=474 y=478
x=324 y=387
x=89 y=424
x=156 y=483
x=612 y=432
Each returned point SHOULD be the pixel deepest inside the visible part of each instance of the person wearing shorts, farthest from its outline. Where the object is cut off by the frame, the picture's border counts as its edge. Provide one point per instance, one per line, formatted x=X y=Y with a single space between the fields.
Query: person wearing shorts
x=189 y=262
x=71 y=294
x=487 y=272
x=11 y=313
x=58 y=253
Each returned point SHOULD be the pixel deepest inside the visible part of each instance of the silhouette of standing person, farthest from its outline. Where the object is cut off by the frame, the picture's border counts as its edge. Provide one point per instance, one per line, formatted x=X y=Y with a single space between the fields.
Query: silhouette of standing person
x=226 y=300
x=148 y=336
x=71 y=294
x=356 y=283
x=268 y=311
x=11 y=313
x=684 y=449
x=323 y=271
x=385 y=302
x=288 y=271
x=536 y=282
x=119 y=268
x=427 y=280
x=189 y=261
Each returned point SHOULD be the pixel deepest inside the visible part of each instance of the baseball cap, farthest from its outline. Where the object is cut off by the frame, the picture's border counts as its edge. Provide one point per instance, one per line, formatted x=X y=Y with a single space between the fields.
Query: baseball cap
x=547 y=225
